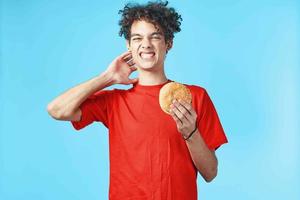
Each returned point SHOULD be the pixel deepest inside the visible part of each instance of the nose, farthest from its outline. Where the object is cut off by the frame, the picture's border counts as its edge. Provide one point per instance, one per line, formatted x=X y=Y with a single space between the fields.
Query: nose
x=146 y=44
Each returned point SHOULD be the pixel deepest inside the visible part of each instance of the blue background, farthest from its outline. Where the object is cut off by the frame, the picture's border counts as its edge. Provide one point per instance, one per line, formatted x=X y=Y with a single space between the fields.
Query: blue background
x=245 y=53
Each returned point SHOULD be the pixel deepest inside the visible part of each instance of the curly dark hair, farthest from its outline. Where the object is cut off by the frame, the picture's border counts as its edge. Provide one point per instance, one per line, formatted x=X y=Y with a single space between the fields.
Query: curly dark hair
x=155 y=12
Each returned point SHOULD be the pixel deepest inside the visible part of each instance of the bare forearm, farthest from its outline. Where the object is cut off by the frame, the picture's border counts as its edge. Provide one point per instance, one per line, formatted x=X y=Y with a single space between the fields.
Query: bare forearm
x=70 y=100
x=203 y=158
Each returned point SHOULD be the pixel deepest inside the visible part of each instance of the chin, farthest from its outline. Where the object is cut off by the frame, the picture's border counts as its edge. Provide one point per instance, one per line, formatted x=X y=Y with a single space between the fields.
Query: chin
x=147 y=66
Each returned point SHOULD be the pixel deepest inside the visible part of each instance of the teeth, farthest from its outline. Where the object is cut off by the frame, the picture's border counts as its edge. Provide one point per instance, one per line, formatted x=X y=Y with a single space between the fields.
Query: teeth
x=147 y=55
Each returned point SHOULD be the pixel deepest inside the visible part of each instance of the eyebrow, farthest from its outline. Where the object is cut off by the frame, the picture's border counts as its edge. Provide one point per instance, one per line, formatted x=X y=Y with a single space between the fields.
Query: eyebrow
x=154 y=33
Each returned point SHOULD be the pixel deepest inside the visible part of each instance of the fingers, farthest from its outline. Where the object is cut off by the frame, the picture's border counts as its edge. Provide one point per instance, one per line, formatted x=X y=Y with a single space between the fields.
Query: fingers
x=127 y=57
x=125 y=54
x=133 y=68
x=180 y=112
x=184 y=112
x=184 y=116
x=130 y=62
x=177 y=120
x=189 y=108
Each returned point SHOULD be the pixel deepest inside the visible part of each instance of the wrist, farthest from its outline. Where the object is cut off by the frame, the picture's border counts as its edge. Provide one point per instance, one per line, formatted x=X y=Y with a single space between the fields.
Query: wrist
x=190 y=135
x=108 y=78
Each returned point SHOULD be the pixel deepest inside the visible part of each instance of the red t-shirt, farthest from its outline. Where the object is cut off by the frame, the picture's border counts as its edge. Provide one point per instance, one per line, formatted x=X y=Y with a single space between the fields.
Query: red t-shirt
x=149 y=159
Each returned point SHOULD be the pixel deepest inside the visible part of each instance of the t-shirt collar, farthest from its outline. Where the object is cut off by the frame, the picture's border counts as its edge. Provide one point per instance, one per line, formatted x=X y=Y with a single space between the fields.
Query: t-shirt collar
x=149 y=88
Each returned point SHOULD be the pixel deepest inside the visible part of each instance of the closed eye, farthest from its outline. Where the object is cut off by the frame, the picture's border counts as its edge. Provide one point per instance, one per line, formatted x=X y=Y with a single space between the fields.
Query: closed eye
x=156 y=37
x=135 y=39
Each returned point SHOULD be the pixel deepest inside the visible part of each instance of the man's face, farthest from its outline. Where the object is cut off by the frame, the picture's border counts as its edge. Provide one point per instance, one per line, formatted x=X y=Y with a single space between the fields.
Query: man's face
x=147 y=45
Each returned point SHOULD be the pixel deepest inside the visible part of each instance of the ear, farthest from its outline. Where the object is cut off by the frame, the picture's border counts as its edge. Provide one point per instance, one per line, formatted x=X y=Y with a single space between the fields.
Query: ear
x=169 y=45
x=128 y=45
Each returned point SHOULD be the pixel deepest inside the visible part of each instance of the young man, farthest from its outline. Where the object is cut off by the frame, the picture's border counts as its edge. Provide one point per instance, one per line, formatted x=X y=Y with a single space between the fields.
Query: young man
x=149 y=156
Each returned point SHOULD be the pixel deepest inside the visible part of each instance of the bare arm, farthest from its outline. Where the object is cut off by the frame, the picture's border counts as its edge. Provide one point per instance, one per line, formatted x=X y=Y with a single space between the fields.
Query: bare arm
x=204 y=159
x=66 y=106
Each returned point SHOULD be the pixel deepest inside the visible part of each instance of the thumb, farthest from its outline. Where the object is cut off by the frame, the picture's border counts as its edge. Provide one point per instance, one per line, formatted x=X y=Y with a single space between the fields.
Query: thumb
x=135 y=80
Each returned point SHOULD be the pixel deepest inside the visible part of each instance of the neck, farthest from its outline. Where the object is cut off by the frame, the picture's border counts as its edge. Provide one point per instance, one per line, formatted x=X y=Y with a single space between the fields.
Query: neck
x=152 y=77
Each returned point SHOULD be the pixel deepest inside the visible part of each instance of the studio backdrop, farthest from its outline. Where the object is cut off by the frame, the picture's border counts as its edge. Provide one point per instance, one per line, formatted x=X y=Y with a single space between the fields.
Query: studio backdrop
x=244 y=53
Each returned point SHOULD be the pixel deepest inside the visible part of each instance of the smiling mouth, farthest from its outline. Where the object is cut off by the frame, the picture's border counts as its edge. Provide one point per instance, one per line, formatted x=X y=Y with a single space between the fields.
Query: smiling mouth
x=147 y=55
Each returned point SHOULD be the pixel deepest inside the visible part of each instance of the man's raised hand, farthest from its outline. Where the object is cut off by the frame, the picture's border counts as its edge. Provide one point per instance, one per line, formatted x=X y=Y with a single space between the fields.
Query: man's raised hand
x=121 y=68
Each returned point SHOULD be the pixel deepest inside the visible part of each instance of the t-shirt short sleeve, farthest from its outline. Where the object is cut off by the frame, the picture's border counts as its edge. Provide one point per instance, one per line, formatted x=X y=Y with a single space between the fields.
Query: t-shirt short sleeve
x=209 y=123
x=94 y=108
